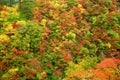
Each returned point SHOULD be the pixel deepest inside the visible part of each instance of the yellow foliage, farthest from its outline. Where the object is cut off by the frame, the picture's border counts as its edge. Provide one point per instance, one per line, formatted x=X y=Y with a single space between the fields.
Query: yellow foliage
x=21 y=23
x=80 y=6
x=3 y=15
x=4 y=38
x=73 y=68
x=8 y=11
x=12 y=9
x=82 y=10
x=13 y=71
x=9 y=28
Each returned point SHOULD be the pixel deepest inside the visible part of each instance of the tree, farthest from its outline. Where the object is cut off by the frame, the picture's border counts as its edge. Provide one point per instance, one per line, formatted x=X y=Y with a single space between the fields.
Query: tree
x=26 y=8
x=9 y=2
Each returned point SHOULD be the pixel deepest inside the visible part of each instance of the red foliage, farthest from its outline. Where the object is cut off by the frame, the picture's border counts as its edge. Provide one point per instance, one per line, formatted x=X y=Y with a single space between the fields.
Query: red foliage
x=109 y=62
x=67 y=57
x=117 y=60
x=37 y=15
x=95 y=38
x=57 y=72
x=1 y=64
x=82 y=43
x=36 y=12
x=17 y=51
x=76 y=9
x=44 y=41
x=15 y=25
x=81 y=1
x=48 y=64
x=1 y=7
x=14 y=50
x=112 y=53
x=21 y=52
x=62 y=25
x=41 y=48
x=49 y=5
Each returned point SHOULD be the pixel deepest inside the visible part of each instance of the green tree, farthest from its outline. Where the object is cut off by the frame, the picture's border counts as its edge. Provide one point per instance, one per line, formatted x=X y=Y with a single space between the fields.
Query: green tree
x=9 y=2
x=26 y=8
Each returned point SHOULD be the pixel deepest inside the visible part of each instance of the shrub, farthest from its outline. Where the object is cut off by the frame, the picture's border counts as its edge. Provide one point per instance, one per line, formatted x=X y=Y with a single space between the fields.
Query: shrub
x=27 y=37
x=69 y=36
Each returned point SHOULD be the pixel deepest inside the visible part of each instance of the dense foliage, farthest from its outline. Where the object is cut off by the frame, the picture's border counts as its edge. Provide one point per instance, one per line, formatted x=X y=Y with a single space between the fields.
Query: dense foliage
x=60 y=40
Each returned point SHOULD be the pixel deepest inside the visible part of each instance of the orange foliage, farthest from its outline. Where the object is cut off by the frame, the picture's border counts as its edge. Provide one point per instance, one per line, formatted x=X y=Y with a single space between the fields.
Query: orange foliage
x=101 y=74
x=108 y=62
x=67 y=57
x=79 y=74
x=80 y=1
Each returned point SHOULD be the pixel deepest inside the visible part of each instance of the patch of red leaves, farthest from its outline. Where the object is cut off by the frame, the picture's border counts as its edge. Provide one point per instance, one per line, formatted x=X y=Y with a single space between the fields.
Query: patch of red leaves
x=15 y=25
x=48 y=64
x=57 y=72
x=95 y=38
x=41 y=48
x=1 y=7
x=80 y=1
x=17 y=51
x=82 y=43
x=108 y=62
x=67 y=57
x=1 y=65
x=117 y=60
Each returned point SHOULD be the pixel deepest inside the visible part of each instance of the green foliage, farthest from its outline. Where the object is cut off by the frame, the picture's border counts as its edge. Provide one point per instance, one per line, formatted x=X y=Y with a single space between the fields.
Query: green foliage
x=72 y=3
x=59 y=39
x=28 y=37
x=26 y=8
x=7 y=75
x=89 y=62
x=113 y=33
x=86 y=63
x=84 y=50
x=55 y=32
x=8 y=2
x=108 y=2
x=71 y=36
x=43 y=22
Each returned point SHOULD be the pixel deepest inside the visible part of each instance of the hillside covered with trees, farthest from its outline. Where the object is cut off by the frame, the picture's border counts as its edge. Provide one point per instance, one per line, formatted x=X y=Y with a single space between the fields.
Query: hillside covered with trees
x=59 y=40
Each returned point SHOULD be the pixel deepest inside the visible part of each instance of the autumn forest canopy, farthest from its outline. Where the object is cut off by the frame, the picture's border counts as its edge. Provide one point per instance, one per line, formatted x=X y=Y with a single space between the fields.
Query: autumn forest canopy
x=59 y=40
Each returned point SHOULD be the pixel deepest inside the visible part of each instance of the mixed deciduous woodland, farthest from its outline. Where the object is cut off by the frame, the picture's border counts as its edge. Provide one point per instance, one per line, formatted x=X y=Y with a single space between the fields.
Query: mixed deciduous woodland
x=59 y=40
